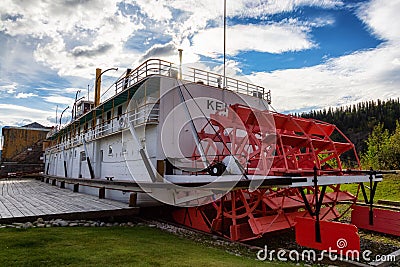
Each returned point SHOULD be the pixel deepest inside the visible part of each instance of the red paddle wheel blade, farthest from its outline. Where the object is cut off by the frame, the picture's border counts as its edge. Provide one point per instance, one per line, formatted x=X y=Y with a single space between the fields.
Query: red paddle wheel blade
x=294 y=145
x=384 y=221
x=243 y=215
x=265 y=143
x=191 y=217
x=336 y=237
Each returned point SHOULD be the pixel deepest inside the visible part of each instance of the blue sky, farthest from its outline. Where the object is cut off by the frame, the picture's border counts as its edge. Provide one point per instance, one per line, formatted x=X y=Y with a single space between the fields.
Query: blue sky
x=311 y=54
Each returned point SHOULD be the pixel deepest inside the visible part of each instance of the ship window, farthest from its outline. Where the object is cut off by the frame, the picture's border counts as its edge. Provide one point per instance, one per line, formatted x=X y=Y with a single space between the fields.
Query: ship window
x=124 y=148
x=110 y=150
x=119 y=111
x=75 y=154
x=152 y=94
x=108 y=117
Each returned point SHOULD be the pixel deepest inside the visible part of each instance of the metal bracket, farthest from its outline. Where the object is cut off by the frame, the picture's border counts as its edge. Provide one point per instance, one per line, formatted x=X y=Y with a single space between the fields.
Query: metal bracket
x=318 y=203
x=372 y=191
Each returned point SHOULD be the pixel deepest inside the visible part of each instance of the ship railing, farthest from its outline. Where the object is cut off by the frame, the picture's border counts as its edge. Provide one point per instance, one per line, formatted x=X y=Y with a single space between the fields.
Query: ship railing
x=146 y=69
x=214 y=79
x=189 y=74
x=52 y=132
x=145 y=114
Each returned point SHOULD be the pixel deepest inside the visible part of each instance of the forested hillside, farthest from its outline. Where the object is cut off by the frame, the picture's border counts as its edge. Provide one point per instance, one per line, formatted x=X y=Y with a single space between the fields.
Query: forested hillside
x=358 y=121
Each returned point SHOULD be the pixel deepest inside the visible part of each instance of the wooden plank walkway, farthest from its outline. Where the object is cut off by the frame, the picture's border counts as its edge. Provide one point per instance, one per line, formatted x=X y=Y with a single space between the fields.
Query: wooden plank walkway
x=28 y=199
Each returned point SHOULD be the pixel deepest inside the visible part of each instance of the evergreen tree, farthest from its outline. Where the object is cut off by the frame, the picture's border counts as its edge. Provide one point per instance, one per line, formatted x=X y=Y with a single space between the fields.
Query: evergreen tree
x=394 y=149
x=383 y=149
x=377 y=152
x=358 y=121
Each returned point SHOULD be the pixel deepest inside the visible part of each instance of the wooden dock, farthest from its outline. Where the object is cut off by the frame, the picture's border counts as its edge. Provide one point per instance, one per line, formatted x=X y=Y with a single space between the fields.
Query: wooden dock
x=28 y=199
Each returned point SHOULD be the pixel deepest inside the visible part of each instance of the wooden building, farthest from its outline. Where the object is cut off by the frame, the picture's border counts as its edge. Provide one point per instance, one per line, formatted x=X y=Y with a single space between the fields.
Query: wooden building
x=23 y=148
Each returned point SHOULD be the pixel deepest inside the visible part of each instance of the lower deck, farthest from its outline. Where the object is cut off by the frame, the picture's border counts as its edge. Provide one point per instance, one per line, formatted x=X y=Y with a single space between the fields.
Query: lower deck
x=29 y=199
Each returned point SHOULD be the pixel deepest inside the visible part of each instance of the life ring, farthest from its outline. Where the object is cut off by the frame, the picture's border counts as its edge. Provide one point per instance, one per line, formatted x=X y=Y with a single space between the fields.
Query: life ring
x=121 y=122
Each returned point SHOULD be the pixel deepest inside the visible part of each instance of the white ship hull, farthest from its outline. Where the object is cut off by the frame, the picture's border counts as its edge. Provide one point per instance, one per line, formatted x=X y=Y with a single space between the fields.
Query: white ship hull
x=157 y=118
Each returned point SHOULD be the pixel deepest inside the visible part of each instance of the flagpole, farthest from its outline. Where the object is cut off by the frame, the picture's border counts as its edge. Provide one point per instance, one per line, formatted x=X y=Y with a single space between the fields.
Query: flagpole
x=224 y=83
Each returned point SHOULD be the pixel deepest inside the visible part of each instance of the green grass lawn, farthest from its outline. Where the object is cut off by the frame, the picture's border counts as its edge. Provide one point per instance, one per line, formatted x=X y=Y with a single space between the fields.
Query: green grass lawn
x=130 y=246
x=111 y=246
x=388 y=189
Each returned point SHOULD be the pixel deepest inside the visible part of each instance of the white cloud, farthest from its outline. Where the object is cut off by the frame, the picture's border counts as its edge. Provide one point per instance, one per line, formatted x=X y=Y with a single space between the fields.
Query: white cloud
x=200 y=15
x=361 y=76
x=253 y=8
x=381 y=16
x=69 y=34
x=17 y=114
x=154 y=9
x=74 y=37
x=19 y=108
x=58 y=99
x=46 y=18
x=276 y=38
x=9 y=88
x=71 y=89
x=25 y=95
x=211 y=9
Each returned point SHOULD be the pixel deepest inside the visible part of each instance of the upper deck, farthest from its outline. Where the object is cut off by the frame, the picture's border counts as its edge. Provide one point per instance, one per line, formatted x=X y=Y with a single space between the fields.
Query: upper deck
x=188 y=74
x=125 y=86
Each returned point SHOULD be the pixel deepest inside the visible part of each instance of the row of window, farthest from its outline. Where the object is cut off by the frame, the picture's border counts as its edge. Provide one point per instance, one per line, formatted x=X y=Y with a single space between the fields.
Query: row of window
x=83 y=155
x=86 y=125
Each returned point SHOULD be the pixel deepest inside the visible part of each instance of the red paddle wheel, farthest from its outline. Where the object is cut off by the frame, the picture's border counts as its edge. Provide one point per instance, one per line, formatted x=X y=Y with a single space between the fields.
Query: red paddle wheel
x=267 y=144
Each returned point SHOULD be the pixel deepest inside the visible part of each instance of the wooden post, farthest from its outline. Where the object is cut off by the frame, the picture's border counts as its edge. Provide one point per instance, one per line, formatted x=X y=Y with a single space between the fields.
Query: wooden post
x=76 y=187
x=62 y=185
x=102 y=192
x=132 y=199
x=97 y=90
x=160 y=170
x=54 y=182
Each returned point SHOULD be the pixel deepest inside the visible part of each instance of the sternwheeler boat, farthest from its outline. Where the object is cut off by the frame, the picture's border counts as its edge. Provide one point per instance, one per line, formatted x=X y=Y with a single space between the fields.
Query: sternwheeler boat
x=208 y=145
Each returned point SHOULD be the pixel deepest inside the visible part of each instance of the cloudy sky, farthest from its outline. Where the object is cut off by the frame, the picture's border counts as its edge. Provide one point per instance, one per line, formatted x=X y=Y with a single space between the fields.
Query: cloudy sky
x=311 y=54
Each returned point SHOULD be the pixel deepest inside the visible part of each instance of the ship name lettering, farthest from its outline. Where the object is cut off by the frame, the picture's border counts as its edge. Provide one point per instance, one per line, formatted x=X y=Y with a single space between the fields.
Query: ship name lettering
x=216 y=105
